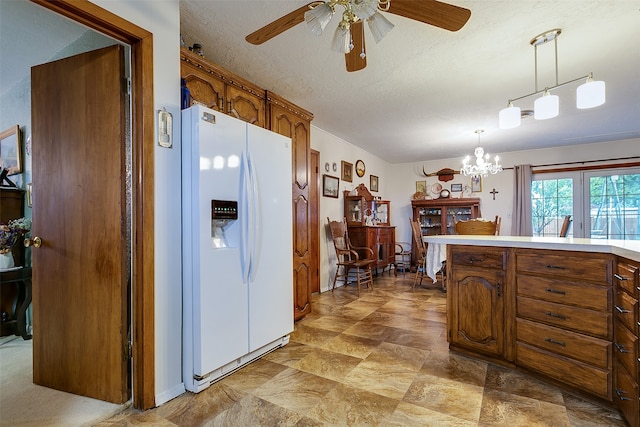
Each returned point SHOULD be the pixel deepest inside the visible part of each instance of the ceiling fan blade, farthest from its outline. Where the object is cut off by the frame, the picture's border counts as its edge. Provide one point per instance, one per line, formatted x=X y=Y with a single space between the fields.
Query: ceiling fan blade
x=280 y=25
x=353 y=59
x=432 y=12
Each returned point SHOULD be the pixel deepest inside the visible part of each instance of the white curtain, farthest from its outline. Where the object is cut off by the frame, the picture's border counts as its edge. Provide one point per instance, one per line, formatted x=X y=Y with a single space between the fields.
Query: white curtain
x=521 y=221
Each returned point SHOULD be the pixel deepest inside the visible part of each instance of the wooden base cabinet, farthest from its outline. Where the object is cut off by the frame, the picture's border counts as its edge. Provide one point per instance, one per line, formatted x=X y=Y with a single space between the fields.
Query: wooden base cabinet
x=475 y=298
x=626 y=344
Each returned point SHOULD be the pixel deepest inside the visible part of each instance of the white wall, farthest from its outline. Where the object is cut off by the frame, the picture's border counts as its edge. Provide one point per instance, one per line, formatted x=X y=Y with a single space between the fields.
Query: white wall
x=334 y=150
x=162 y=18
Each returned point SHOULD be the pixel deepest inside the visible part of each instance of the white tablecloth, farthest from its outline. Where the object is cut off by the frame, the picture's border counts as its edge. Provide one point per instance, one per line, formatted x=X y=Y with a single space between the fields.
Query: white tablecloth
x=436 y=254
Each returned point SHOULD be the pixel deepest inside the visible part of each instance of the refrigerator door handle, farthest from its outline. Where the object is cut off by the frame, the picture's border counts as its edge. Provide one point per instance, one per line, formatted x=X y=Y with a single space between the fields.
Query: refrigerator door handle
x=255 y=220
x=245 y=213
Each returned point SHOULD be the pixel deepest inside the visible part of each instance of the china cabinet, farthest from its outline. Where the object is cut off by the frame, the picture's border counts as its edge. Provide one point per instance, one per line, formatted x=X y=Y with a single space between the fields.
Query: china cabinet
x=11 y=207
x=360 y=211
x=370 y=226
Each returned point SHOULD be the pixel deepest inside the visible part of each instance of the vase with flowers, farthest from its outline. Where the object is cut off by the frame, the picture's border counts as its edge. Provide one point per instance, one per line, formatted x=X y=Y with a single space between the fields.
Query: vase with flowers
x=9 y=235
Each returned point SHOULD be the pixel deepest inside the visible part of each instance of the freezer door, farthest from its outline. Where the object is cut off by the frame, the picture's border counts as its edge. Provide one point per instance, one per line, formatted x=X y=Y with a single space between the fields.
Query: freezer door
x=215 y=295
x=271 y=284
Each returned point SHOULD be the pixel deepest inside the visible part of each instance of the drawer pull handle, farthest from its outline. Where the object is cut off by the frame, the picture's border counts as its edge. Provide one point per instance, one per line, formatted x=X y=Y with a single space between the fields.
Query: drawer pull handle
x=620 y=348
x=499 y=289
x=552 y=341
x=622 y=310
x=555 y=267
x=620 y=393
x=472 y=259
x=553 y=291
x=619 y=277
x=559 y=316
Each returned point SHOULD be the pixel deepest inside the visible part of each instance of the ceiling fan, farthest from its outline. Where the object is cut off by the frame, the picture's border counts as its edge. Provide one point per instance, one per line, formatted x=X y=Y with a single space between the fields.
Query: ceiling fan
x=349 y=36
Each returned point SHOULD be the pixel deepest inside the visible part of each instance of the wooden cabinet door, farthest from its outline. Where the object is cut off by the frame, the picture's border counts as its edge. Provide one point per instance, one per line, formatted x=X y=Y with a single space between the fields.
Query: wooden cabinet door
x=283 y=119
x=206 y=89
x=476 y=305
x=245 y=105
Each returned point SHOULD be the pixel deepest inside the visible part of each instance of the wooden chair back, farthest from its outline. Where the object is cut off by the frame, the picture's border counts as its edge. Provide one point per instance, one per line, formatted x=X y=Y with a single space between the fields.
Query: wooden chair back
x=479 y=226
x=416 y=232
x=565 y=226
x=340 y=239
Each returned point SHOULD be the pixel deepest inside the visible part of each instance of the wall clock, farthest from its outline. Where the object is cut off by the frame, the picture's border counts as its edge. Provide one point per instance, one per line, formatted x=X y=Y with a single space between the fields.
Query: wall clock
x=360 y=168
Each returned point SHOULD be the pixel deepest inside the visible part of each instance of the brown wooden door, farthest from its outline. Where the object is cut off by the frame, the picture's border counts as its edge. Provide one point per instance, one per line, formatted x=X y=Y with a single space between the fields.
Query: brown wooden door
x=285 y=122
x=80 y=294
x=314 y=221
x=245 y=106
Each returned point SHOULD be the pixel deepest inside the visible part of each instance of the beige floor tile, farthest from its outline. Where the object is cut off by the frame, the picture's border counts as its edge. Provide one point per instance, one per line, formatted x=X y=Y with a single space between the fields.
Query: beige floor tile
x=510 y=410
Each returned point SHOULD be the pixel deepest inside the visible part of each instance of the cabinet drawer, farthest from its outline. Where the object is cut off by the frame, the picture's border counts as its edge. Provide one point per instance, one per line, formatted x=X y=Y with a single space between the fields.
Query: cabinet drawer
x=478 y=256
x=626 y=277
x=564 y=292
x=578 y=374
x=626 y=396
x=587 y=349
x=583 y=267
x=591 y=322
x=626 y=309
x=625 y=348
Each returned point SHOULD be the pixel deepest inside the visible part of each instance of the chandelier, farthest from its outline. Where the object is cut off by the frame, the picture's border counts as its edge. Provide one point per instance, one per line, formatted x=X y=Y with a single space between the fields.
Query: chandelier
x=482 y=167
x=588 y=95
x=354 y=10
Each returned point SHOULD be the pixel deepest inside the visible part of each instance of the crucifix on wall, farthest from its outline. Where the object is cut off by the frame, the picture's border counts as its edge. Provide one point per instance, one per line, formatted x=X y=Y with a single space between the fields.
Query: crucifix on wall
x=493 y=193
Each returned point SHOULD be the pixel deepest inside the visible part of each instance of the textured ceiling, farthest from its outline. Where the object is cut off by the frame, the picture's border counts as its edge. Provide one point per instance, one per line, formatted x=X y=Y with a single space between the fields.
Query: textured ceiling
x=425 y=90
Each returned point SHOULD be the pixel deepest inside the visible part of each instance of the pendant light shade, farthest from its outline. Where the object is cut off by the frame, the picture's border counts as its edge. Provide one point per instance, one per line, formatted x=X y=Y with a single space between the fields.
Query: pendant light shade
x=510 y=117
x=590 y=94
x=379 y=26
x=546 y=107
x=318 y=18
x=342 y=39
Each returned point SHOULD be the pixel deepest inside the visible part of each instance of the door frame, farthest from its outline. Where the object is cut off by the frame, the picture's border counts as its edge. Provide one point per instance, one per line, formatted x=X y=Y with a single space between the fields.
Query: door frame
x=142 y=281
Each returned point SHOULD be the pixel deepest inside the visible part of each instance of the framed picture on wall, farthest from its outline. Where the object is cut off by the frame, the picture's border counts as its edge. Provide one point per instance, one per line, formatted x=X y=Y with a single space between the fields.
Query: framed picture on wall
x=373 y=183
x=421 y=187
x=476 y=184
x=330 y=186
x=456 y=188
x=347 y=171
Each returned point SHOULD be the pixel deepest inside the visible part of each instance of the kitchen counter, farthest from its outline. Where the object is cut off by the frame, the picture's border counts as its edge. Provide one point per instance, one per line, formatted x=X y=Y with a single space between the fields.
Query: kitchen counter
x=625 y=248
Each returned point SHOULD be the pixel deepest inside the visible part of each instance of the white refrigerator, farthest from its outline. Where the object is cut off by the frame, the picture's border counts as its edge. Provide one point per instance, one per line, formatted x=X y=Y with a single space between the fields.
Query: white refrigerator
x=237 y=244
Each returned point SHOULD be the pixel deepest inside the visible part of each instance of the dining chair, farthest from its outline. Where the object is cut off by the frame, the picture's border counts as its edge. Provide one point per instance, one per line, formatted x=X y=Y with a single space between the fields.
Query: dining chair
x=347 y=257
x=478 y=226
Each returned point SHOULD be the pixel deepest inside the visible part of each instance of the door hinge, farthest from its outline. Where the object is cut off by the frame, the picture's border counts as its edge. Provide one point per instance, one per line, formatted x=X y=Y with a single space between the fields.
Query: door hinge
x=126 y=85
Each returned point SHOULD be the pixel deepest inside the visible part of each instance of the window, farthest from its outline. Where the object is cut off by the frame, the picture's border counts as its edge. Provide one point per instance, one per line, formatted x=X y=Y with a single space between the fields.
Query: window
x=604 y=204
x=551 y=200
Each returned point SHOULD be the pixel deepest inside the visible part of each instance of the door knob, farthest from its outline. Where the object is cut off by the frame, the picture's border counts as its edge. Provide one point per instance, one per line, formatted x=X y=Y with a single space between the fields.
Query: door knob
x=35 y=242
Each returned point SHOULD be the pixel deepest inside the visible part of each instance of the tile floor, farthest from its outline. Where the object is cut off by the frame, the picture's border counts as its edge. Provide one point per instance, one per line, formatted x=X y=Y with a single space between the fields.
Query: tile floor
x=378 y=360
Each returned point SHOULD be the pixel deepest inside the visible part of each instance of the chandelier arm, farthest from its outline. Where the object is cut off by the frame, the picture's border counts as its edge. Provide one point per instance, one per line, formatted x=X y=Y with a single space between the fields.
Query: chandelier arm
x=551 y=87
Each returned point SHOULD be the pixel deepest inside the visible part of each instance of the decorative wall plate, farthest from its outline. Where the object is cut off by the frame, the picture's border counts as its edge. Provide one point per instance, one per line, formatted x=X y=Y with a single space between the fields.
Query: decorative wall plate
x=436 y=188
x=326 y=166
x=360 y=168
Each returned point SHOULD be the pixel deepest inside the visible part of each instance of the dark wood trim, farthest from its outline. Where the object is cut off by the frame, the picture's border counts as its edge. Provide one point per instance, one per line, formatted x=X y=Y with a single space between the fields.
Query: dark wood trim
x=589 y=168
x=141 y=42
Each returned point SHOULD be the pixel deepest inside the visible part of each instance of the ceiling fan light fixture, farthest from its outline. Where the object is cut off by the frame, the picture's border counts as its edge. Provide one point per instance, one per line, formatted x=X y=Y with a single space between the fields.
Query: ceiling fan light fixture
x=364 y=9
x=510 y=117
x=590 y=94
x=318 y=18
x=546 y=107
x=342 y=39
x=379 y=26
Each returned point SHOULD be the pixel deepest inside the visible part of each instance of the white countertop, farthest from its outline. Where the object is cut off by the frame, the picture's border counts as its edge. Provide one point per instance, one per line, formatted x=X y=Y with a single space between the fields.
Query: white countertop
x=625 y=248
